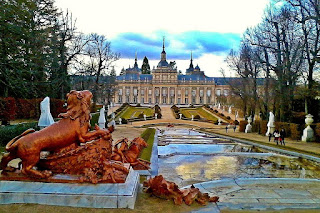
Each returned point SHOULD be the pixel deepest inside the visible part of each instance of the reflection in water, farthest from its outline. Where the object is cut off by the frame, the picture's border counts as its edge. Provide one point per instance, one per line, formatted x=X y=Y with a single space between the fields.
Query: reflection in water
x=211 y=169
x=203 y=163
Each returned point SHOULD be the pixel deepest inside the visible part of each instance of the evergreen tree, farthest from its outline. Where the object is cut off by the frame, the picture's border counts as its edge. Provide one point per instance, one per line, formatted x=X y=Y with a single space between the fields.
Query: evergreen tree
x=145 y=68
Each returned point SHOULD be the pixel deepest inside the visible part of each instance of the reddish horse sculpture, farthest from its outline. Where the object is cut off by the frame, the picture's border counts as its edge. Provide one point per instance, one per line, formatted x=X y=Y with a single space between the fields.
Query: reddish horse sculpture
x=130 y=154
x=73 y=128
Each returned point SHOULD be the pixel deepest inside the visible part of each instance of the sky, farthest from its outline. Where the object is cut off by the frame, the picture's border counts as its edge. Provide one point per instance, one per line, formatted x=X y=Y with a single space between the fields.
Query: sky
x=208 y=28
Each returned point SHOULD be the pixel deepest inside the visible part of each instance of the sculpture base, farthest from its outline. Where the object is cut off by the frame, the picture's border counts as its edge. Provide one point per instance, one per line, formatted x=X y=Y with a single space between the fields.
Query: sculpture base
x=102 y=195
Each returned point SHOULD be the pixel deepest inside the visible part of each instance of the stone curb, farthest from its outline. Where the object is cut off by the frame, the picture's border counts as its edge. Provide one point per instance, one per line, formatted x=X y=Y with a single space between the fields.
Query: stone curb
x=309 y=157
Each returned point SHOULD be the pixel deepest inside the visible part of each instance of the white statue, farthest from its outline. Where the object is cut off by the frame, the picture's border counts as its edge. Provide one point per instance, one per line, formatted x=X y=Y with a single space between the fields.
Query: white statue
x=113 y=123
x=270 y=124
x=180 y=115
x=229 y=111
x=113 y=115
x=308 y=133
x=120 y=120
x=249 y=126
x=192 y=117
x=156 y=115
x=46 y=118
x=102 y=118
x=145 y=117
x=219 y=105
x=219 y=121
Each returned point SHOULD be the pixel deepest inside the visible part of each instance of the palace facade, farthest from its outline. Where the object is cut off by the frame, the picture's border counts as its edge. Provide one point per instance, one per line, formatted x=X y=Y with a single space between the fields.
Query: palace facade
x=166 y=86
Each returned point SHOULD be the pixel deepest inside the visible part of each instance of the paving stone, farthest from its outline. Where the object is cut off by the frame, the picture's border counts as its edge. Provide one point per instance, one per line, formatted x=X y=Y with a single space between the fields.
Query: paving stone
x=293 y=193
x=243 y=200
x=263 y=193
x=268 y=200
x=296 y=200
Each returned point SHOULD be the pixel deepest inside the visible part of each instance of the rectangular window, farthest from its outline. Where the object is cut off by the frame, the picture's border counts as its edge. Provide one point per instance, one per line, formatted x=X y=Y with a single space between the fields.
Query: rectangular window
x=187 y=92
x=172 y=92
x=208 y=93
x=179 y=92
x=135 y=92
x=201 y=93
x=150 y=91
x=218 y=92
x=120 y=91
x=194 y=92
x=142 y=91
x=186 y=100
x=127 y=91
x=225 y=92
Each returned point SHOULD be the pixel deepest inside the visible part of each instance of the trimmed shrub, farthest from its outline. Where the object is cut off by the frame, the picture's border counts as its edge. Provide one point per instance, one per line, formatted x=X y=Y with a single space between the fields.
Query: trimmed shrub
x=7 y=110
x=94 y=119
x=197 y=117
x=263 y=127
x=138 y=105
x=242 y=125
x=295 y=132
x=9 y=132
x=222 y=114
x=317 y=131
x=228 y=117
x=124 y=121
x=256 y=126
x=216 y=111
x=140 y=116
x=236 y=122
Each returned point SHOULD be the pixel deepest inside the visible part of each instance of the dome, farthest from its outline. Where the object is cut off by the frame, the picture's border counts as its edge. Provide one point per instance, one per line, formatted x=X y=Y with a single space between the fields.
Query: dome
x=163 y=63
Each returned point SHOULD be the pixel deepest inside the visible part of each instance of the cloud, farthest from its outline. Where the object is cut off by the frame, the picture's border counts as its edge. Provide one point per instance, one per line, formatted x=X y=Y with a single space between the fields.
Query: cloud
x=178 y=46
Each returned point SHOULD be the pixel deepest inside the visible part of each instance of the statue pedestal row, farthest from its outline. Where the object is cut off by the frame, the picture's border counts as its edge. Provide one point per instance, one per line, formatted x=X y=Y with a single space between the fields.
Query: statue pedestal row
x=101 y=195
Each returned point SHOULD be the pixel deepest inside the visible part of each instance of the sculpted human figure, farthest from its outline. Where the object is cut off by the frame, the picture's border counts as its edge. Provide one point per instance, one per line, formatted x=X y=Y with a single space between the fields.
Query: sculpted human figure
x=73 y=128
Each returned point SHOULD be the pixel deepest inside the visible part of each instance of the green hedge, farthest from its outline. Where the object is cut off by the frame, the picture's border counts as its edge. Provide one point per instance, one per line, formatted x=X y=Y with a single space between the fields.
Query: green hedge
x=9 y=132
x=148 y=136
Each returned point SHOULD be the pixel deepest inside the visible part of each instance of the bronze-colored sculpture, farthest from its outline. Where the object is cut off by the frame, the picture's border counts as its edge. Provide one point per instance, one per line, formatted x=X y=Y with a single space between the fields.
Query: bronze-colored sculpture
x=130 y=154
x=62 y=139
x=159 y=187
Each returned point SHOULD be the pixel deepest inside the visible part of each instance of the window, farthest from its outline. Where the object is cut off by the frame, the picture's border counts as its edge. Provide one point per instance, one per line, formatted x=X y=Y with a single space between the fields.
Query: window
x=120 y=91
x=172 y=92
x=179 y=92
x=135 y=92
x=186 y=100
x=194 y=92
x=142 y=91
x=218 y=92
x=127 y=91
x=187 y=92
x=201 y=93
x=150 y=91
x=225 y=92
x=208 y=93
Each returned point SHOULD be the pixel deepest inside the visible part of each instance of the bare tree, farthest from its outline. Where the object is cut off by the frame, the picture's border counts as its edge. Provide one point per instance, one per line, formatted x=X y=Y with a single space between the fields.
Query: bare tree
x=308 y=20
x=97 y=61
x=282 y=54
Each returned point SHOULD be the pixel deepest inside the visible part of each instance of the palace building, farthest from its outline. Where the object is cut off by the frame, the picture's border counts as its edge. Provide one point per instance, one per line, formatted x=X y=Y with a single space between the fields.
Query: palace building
x=165 y=86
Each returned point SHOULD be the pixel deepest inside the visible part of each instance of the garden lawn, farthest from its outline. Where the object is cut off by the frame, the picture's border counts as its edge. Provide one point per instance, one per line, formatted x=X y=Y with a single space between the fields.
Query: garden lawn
x=188 y=112
x=134 y=112
x=148 y=136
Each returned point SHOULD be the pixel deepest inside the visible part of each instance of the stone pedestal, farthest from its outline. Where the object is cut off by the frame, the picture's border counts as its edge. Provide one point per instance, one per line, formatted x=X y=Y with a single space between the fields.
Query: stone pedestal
x=103 y=195
x=308 y=133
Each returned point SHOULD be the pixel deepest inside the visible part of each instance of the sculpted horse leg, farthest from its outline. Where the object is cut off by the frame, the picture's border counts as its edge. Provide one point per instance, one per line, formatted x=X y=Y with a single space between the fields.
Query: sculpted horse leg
x=5 y=160
x=29 y=163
